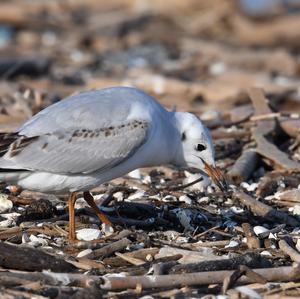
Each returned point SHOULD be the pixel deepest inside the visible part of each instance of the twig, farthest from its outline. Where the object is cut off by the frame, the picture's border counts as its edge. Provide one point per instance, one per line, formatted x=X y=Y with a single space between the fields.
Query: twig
x=275 y=115
x=109 y=249
x=176 y=188
x=264 y=147
x=250 y=259
x=263 y=210
x=189 y=279
x=292 y=253
x=252 y=241
x=244 y=166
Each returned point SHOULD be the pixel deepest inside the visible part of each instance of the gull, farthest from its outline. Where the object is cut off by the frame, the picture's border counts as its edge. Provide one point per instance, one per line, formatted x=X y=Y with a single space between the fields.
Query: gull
x=91 y=138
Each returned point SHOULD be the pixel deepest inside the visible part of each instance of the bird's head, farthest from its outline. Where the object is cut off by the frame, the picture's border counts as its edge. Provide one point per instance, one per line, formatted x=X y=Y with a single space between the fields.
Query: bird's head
x=196 y=148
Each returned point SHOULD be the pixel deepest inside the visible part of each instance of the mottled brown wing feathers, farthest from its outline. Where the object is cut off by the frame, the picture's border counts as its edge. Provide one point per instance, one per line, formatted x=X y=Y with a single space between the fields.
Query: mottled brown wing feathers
x=13 y=143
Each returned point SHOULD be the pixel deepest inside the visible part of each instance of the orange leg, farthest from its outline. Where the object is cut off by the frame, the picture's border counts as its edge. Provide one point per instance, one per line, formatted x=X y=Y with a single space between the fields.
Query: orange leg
x=71 y=203
x=90 y=200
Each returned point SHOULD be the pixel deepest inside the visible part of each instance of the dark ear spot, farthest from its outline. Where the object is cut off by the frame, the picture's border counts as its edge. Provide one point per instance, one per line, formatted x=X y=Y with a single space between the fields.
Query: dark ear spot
x=200 y=147
x=183 y=136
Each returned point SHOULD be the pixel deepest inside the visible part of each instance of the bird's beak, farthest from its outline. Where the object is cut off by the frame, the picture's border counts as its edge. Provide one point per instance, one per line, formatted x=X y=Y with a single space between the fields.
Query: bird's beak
x=216 y=175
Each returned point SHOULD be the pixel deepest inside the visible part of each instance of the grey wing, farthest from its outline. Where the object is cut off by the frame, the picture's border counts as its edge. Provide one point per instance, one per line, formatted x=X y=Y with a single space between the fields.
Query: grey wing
x=78 y=150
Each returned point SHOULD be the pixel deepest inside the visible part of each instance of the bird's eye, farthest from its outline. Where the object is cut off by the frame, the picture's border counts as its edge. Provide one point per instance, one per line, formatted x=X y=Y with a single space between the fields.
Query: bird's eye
x=200 y=147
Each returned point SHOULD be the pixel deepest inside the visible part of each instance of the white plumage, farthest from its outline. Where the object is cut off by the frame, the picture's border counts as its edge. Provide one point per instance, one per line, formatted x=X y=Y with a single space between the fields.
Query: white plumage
x=87 y=139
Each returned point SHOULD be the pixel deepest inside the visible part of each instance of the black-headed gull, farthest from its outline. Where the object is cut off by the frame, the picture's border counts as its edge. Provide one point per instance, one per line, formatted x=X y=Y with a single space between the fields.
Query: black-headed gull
x=95 y=136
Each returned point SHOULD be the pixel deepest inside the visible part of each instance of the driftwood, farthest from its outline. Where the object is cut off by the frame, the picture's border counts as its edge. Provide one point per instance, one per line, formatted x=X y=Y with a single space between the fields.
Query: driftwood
x=264 y=127
x=30 y=259
x=232 y=279
x=154 y=281
x=250 y=259
x=290 y=126
x=260 y=209
x=244 y=166
x=291 y=252
x=109 y=249
x=189 y=279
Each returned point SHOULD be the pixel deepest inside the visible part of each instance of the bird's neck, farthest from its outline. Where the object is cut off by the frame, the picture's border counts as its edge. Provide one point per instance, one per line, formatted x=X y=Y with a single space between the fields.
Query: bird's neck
x=175 y=142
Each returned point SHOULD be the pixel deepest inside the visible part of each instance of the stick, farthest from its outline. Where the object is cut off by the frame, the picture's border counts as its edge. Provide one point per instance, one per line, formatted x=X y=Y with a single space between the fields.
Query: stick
x=244 y=166
x=263 y=210
x=176 y=188
x=189 y=279
x=30 y=259
x=291 y=252
x=252 y=241
x=250 y=259
x=109 y=249
x=264 y=147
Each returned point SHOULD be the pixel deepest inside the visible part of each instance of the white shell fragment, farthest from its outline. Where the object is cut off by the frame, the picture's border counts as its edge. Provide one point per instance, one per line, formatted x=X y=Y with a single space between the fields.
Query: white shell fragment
x=296 y=210
x=259 y=229
x=232 y=244
x=135 y=174
x=186 y=199
x=298 y=245
x=88 y=234
x=137 y=195
x=80 y=203
x=266 y=253
x=84 y=252
x=5 y=203
x=107 y=229
x=249 y=187
x=36 y=241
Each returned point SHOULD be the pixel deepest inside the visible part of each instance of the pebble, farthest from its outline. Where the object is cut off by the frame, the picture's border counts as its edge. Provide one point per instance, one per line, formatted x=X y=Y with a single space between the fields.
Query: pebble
x=259 y=229
x=5 y=203
x=88 y=234
x=84 y=252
